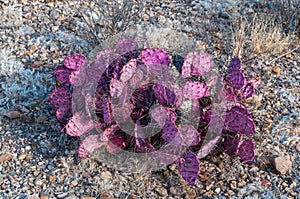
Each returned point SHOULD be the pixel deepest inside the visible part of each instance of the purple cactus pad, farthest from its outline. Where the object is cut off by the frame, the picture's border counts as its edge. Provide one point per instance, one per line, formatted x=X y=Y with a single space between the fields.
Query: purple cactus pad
x=117 y=143
x=63 y=113
x=62 y=74
x=189 y=167
x=231 y=144
x=128 y=70
x=235 y=63
x=77 y=78
x=155 y=58
x=190 y=135
x=164 y=95
x=75 y=61
x=79 y=124
x=164 y=158
x=143 y=146
x=170 y=133
x=246 y=151
x=208 y=146
x=88 y=145
x=196 y=64
x=195 y=90
x=60 y=96
x=126 y=47
x=237 y=78
x=238 y=120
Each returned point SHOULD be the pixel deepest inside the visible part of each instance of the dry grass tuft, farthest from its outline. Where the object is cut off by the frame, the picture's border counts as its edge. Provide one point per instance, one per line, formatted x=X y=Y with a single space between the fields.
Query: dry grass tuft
x=267 y=37
x=261 y=36
x=238 y=37
x=270 y=32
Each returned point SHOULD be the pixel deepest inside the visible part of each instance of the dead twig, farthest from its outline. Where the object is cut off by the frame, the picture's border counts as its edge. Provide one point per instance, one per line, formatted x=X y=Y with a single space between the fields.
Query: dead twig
x=284 y=54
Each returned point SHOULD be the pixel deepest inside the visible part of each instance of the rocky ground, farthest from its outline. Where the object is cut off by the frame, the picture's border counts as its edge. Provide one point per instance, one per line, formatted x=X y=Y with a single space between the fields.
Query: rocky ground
x=37 y=161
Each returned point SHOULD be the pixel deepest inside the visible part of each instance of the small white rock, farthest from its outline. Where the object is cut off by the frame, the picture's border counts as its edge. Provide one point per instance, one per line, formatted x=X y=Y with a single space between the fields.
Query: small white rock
x=283 y=164
x=218 y=190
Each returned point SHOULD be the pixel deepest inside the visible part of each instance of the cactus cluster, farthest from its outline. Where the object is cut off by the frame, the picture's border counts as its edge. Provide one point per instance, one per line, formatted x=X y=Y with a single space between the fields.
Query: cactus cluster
x=238 y=120
x=129 y=105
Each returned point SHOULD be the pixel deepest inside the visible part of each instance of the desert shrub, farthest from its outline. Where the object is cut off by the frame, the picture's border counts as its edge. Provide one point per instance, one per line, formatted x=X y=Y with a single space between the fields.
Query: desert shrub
x=103 y=19
x=20 y=84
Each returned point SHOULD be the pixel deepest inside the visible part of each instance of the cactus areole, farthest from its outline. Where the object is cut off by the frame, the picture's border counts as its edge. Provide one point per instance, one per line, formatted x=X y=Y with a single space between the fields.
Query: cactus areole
x=142 y=101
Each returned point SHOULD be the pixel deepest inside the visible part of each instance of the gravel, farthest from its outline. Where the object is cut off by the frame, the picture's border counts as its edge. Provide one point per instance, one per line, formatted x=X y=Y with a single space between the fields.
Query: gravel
x=37 y=161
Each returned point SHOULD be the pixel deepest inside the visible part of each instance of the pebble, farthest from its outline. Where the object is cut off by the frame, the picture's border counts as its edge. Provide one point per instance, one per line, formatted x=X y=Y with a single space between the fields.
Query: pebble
x=177 y=190
x=105 y=195
x=106 y=175
x=161 y=191
x=38 y=182
x=74 y=183
x=285 y=111
x=276 y=70
x=191 y=194
x=172 y=167
x=51 y=178
x=298 y=147
x=283 y=164
x=241 y=183
x=233 y=185
x=33 y=197
x=41 y=119
x=265 y=182
x=13 y=114
x=22 y=157
x=61 y=195
x=5 y=157
x=231 y=192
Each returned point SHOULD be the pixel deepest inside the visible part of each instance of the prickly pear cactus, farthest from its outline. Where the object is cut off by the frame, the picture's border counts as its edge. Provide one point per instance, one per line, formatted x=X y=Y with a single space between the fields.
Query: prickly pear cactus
x=138 y=101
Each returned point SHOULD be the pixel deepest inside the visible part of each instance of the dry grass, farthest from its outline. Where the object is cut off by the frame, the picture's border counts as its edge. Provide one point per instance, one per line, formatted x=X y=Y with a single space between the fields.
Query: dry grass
x=106 y=18
x=262 y=36
x=270 y=32
x=238 y=37
x=267 y=36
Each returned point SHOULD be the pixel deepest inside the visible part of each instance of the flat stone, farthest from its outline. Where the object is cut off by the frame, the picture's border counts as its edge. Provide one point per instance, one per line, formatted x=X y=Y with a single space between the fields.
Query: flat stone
x=265 y=182
x=283 y=164
x=62 y=195
x=106 y=175
x=41 y=119
x=231 y=192
x=22 y=157
x=74 y=183
x=13 y=114
x=5 y=157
